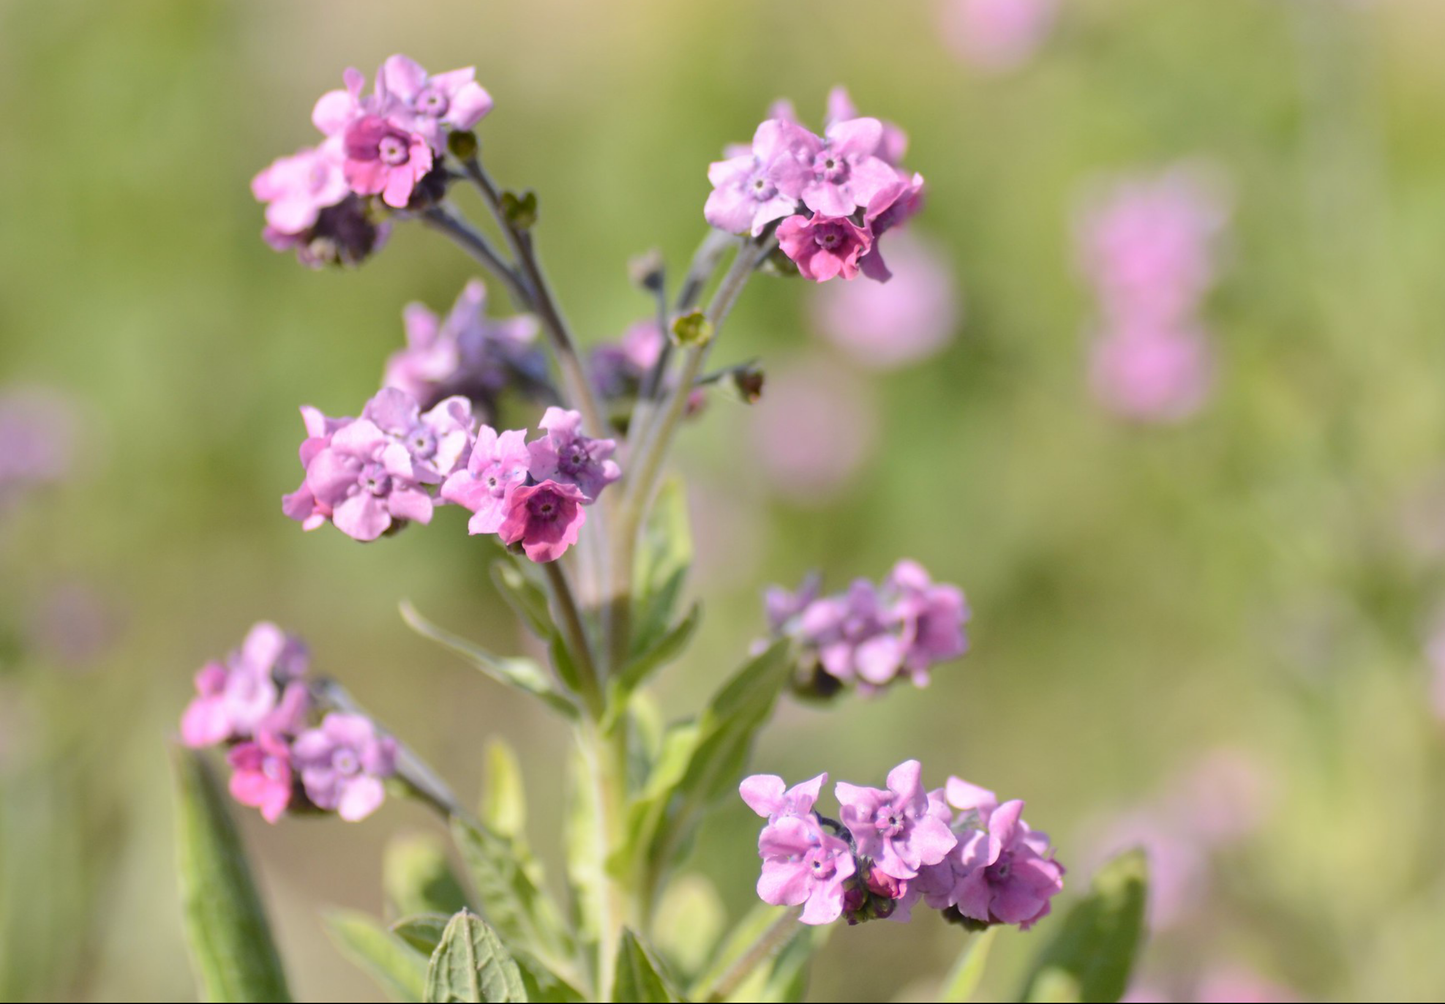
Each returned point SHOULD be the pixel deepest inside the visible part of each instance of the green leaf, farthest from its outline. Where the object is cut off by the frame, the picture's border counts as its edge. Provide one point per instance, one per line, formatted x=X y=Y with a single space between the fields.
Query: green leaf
x=663 y=559
x=234 y=956
x=1092 y=953
x=961 y=982
x=418 y=878
x=648 y=809
x=521 y=673
x=725 y=734
x=389 y=960
x=563 y=662
x=511 y=897
x=666 y=649
x=504 y=800
x=637 y=976
x=422 y=932
x=524 y=595
x=471 y=964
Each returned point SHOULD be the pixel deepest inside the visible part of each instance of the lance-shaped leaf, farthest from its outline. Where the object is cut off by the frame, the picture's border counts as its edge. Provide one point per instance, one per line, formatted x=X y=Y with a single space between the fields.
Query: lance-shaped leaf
x=665 y=650
x=961 y=982
x=235 y=958
x=524 y=594
x=523 y=674
x=396 y=966
x=512 y=899
x=423 y=931
x=663 y=560
x=472 y=964
x=725 y=733
x=638 y=977
x=1093 y=951
x=418 y=878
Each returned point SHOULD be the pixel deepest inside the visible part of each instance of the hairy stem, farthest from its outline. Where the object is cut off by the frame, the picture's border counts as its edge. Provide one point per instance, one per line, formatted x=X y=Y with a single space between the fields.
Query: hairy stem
x=543 y=302
x=455 y=226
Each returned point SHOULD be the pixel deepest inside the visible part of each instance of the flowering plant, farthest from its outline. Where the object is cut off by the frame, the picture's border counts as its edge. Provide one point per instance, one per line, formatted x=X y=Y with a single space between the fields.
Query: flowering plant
x=591 y=550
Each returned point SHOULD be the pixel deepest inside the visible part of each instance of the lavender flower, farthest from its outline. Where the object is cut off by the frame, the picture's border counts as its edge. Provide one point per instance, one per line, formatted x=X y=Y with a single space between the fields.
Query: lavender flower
x=1006 y=875
x=432 y=105
x=899 y=828
x=343 y=763
x=803 y=865
x=766 y=796
x=763 y=184
x=568 y=457
x=497 y=464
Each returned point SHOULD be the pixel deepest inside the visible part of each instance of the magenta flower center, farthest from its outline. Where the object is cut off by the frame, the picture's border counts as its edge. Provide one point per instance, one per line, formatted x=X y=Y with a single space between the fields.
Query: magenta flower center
x=829 y=236
x=374 y=479
x=393 y=149
x=573 y=458
x=888 y=821
x=344 y=762
x=432 y=102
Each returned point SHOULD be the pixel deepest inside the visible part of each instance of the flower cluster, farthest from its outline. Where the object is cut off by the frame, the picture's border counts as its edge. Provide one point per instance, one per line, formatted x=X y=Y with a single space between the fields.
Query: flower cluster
x=956 y=849
x=467 y=354
x=374 y=474
x=835 y=195
x=283 y=752
x=870 y=635
x=533 y=495
x=319 y=201
x=1147 y=249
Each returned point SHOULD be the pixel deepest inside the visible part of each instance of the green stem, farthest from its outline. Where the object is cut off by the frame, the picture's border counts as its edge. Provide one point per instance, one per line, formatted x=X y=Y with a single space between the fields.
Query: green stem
x=574 y=631
x=768 y=942
x=605 y=753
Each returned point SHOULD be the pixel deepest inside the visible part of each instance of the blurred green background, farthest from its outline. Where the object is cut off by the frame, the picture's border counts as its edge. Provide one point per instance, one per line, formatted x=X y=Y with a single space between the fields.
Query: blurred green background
x=1261 y=579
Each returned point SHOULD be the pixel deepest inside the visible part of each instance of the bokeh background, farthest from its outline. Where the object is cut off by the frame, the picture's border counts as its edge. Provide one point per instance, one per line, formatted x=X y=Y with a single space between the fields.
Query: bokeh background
x=1230 y=612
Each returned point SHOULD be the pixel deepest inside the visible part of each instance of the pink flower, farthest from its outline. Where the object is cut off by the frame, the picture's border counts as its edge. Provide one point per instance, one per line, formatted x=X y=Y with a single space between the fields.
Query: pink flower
x=996 y=35
x=1152 y=375
x=468 y=353
x=824 y=246
x=894 y=204
x=899 y=828
x=566 y=456
x=803 y=865
x=765 y=795
x=544 y=518
x=844 y=173
x=815 y=430
x=343 y=763
x=433 y=105
x=1007 y=874
x=297 y=188
x=258 y=688
x=384 y=158
x=421 y=448
x=892 y=142
x=498 y=464
x=853 y=635
x=932 y=615
x=261 y=775
x=887 y=325
x=762 y=184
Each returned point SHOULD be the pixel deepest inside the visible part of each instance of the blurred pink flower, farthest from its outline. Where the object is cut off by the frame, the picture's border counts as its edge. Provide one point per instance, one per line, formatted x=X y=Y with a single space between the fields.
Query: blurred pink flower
x=1152 y=374
x=38 y=430
x=890 y=324
x=814 y=430
x=1222 y=798
x=996 y=35
x=1236 y=984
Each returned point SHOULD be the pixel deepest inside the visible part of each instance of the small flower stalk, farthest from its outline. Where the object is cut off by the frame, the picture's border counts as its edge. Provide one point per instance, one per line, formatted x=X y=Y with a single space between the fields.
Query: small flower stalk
x=557 y=455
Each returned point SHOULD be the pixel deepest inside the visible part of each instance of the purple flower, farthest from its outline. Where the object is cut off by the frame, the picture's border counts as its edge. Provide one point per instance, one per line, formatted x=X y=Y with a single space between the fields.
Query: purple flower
x=892 y=206
x=544 y=518
x=971 y=801
x=468 y=353
x=383 y=157
x=781 y=607
x=932 y=614
x=824 y=246
x=803 y=865
x=262 y=775
x=853 y=635
x=369 y=474
x=566 y=456
x=1006 y=874
x=844 y=173
x=257 y=689
x=996 y=35
x=892 y=142
x=763 y=184
x=900 y=828
x=1151 y=374
x=342 y=765
x=887 y=325
x=498 y=464
x=344 y=234
x=432 y=105
x=422 y=448
x=766 y=796
x=618 y=368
